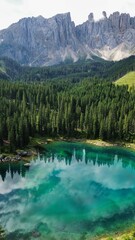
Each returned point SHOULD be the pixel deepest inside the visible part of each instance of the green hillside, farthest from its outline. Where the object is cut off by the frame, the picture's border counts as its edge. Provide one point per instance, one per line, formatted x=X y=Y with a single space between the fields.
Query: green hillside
x=128 y=79
x=95 y=69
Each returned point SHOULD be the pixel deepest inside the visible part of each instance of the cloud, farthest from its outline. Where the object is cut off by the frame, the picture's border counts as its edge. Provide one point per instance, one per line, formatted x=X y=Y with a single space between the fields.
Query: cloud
x=18 y=2
x=13 y=10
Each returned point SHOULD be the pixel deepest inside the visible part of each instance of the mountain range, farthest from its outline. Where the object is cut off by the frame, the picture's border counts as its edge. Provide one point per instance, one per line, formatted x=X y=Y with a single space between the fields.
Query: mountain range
x=38 y=41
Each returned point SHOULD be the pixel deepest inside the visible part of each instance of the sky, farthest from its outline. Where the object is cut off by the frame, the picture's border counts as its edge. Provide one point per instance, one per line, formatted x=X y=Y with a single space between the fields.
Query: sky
x=13 y=10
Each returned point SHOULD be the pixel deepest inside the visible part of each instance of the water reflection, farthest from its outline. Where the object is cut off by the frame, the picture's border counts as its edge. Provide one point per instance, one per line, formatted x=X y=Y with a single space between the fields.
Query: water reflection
x=12 y=169
x=82 y=152
x=69 y=153
x=69 y=189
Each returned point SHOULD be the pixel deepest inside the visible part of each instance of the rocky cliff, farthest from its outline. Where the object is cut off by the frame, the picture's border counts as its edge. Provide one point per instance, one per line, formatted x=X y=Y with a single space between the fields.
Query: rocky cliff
x=39 y=41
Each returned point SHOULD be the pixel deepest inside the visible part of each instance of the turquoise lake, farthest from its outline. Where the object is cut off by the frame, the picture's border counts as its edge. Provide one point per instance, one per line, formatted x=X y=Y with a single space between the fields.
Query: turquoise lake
x=71 y=191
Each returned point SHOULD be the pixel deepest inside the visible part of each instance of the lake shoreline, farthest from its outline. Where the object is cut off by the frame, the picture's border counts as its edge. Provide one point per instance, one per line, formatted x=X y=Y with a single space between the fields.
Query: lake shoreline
x=102 y=143
x=125 y=234
x=37 y=144
x=95 y=142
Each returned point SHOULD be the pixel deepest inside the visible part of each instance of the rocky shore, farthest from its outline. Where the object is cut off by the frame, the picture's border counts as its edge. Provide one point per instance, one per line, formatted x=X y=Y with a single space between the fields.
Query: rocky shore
x=4 y=158
x=15 y=158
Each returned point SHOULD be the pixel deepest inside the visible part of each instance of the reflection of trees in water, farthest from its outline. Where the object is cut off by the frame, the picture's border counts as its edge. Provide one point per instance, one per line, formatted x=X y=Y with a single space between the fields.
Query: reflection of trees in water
x=95 y=156
x=100 y=157
x=12 y=168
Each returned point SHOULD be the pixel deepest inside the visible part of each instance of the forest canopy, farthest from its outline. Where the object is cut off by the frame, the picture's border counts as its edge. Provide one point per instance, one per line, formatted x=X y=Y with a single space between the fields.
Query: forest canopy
x=90 y=109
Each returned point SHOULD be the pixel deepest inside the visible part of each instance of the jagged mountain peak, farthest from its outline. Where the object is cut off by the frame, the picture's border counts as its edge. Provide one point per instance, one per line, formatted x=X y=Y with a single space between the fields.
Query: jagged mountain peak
x=41 y=41
x=59 y=16
x=63 y=15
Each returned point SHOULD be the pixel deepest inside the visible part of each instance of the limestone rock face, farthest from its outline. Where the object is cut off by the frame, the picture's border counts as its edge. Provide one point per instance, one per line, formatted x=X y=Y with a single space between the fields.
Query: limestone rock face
x=38 y=41
x=107 y=34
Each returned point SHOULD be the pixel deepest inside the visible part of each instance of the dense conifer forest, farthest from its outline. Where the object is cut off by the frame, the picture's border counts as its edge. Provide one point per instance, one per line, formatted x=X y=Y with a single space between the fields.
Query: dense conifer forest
x=91 y=109
x=72 y=99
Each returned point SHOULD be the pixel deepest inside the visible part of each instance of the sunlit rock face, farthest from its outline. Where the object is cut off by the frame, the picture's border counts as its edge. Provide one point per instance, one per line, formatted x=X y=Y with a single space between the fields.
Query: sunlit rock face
x=38 y=41
x=113 y=38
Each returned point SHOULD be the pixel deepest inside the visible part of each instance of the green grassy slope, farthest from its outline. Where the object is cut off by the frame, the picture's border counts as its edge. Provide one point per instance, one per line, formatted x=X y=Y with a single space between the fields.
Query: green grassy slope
x=95 y=69
x=128 y=79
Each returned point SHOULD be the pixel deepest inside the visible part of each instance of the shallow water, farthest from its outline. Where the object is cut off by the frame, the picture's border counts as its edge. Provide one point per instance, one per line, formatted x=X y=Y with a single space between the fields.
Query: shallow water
x=71 y=191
